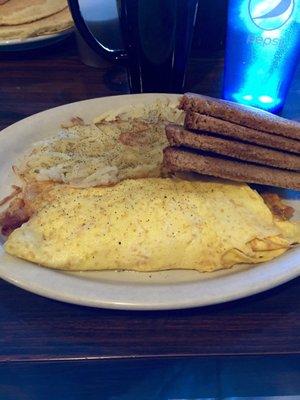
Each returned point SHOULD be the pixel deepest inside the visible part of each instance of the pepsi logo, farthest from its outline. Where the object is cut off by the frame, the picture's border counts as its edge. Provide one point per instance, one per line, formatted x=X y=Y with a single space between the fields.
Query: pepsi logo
x=270 y=14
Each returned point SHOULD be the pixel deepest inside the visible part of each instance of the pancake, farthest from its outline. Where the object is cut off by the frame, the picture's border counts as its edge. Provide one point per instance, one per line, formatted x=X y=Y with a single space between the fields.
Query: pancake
x=17 y=12
x=178 y=136
x=151 y=225
x=207 y=123
x=55 y=23
x=242 y=115
x=184 y=160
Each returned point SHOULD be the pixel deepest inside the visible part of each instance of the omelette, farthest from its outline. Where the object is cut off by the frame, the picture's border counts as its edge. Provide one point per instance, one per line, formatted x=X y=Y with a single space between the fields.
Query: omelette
x=150 y=224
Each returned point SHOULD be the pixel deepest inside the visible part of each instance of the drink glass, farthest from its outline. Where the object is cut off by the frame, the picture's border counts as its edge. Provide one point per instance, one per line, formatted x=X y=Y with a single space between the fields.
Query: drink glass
x=157 y=37
x=263 y=48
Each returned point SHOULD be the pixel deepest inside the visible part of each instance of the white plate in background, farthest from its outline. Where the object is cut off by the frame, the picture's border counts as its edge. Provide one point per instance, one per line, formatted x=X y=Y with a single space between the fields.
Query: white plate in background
x=127 y=290
x=34 y=42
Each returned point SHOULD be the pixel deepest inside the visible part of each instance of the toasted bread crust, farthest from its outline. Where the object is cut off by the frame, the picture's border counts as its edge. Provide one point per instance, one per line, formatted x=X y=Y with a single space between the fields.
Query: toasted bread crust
x=207 y=123
x=239 y=114
x=176 y=159
x=178 y=136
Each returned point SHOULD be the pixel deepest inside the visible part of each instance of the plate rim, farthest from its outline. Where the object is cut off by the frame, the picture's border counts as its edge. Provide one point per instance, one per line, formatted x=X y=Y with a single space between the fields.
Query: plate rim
x=187 y=294
x=144 y=306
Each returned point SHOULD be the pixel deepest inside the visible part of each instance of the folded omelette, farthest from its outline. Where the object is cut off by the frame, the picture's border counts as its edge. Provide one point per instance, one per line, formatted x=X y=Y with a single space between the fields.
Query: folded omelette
x=150 y=225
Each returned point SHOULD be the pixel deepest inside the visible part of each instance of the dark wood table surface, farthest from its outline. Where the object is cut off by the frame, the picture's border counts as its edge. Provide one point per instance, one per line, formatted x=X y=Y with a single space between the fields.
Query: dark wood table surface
x=33 y=328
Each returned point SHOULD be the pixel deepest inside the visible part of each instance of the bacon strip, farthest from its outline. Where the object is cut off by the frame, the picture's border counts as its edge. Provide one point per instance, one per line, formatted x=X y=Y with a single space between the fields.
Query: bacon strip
x=16 y=191
x=12 y=218
x=22 y=205
x=278 y=208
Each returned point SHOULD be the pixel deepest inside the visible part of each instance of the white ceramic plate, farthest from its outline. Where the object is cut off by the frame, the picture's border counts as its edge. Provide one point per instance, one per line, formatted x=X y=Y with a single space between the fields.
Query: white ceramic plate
x=127 y=290
x=34 y=42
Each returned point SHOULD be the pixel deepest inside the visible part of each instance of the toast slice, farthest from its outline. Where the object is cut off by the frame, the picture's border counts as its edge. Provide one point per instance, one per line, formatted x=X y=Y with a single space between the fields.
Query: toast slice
x=239 y=114
x=207 y=123
x=176 y=159
x=178 y=136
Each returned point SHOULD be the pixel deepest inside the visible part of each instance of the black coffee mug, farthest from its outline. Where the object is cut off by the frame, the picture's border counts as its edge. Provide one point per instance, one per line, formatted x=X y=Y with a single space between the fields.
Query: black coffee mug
x=157 y=36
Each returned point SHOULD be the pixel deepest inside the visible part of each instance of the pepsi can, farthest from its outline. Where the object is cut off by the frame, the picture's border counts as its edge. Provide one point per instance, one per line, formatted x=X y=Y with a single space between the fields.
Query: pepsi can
x=262 y=51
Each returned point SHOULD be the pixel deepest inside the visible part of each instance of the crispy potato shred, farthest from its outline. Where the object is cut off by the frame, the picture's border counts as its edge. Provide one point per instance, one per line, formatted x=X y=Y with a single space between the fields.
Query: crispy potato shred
x=75 y=121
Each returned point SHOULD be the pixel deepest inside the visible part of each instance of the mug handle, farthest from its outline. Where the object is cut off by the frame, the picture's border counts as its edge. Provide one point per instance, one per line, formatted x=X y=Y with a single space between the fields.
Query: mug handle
x=111 y=54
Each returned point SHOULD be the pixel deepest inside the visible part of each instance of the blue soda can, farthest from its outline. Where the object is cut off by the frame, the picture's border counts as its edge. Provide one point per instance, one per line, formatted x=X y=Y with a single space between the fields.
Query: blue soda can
x=263 y=47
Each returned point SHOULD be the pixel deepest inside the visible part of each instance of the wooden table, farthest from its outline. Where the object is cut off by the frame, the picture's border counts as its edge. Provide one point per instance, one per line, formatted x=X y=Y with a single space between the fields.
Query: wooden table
x=35 y=329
